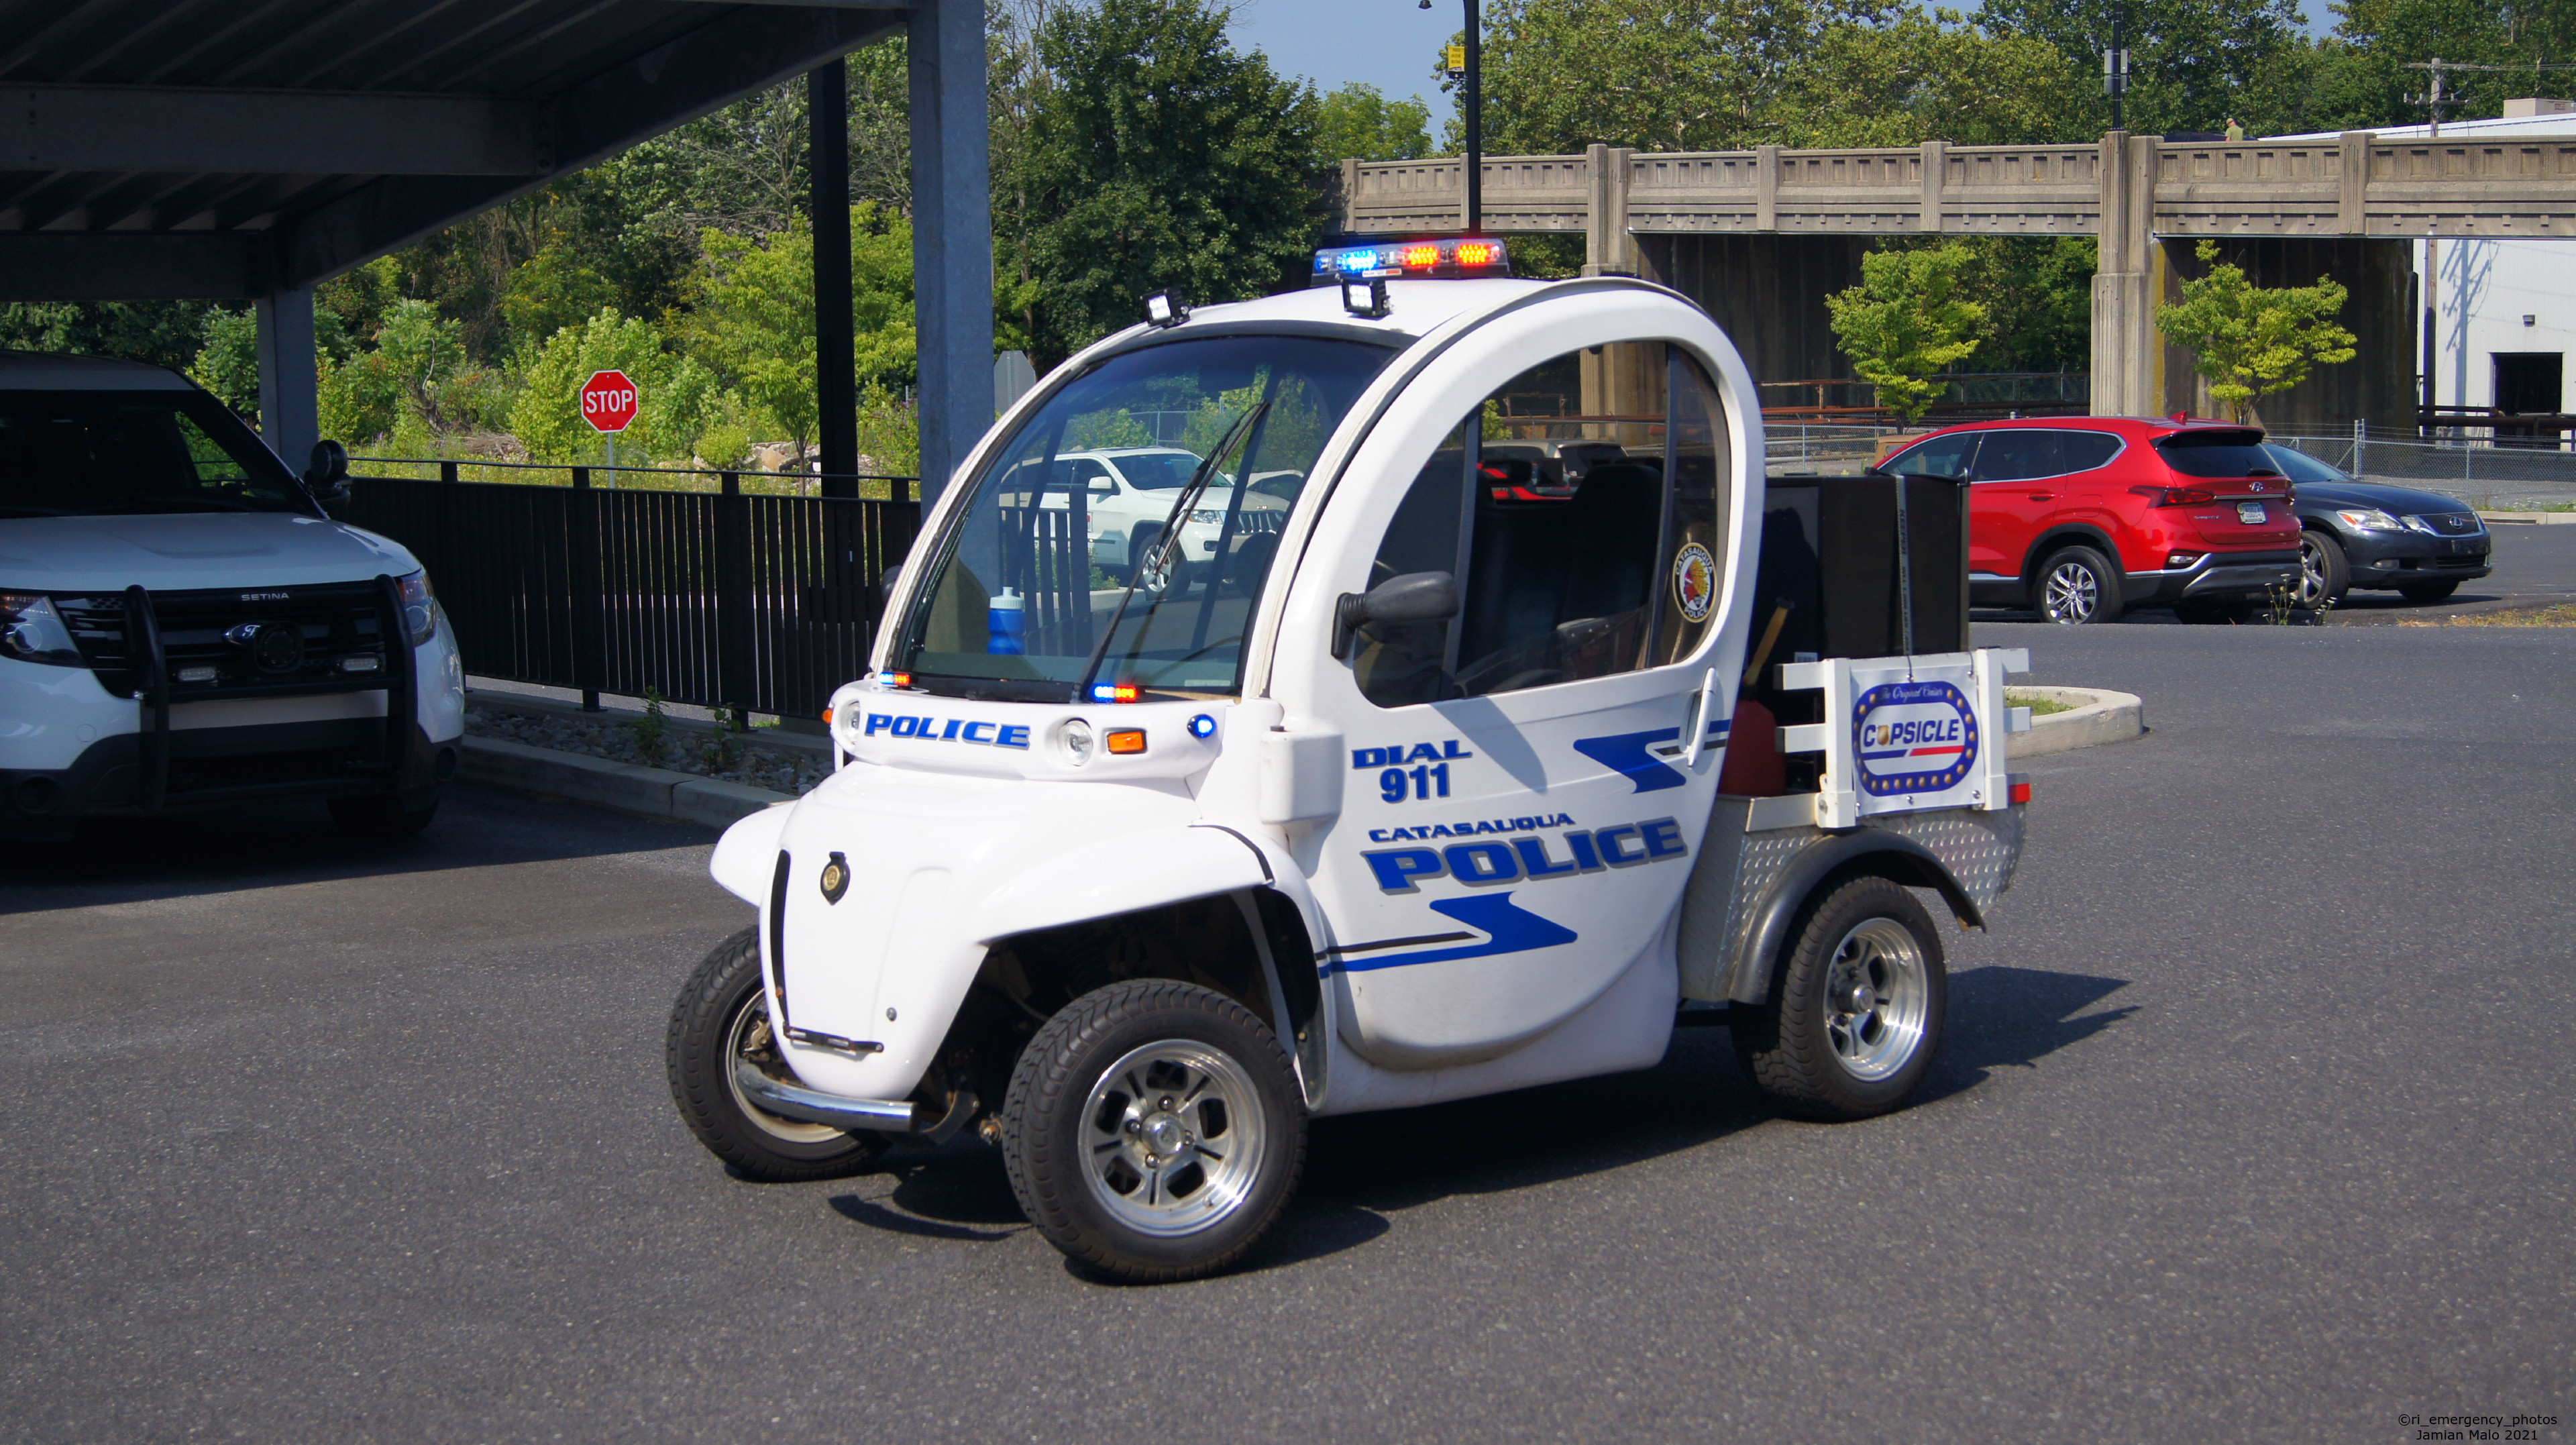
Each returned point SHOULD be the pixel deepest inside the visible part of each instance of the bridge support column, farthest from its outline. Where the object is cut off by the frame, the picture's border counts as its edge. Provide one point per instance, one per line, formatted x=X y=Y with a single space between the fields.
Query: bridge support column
x=952 y=234
x=289 y=394
x=1608 y=249
x=2126 y=349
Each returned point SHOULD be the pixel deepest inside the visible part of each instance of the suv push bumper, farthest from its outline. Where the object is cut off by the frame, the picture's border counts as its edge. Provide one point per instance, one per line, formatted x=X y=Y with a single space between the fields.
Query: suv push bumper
x=134 y=775
x=2216 y=574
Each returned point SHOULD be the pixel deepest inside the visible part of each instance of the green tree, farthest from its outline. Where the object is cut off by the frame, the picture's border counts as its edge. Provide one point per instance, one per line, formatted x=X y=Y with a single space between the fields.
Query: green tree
x=163 y=333
x=1929 y=75
x=2249 y=340
x=1358 y=122
x=228 y=364
x=1155 y=155
x=1666 y=75
x=680 y=401
x=2193 y=62
x=1906 y=322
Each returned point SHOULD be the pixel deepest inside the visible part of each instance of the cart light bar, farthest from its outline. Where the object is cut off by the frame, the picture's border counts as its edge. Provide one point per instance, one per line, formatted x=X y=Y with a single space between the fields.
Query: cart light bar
x=1126 y=740
x=1115 y=692
x=1436 y=259
x=2017 y=793
x=894 y=679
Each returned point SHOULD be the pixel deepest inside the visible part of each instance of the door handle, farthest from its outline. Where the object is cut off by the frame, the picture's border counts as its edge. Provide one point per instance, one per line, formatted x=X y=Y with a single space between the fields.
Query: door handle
x=1700 y=706
x=2043 y=496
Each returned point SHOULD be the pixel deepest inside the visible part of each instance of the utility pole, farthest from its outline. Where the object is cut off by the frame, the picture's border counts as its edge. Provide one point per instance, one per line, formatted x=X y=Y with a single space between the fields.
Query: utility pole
x=2433 y=99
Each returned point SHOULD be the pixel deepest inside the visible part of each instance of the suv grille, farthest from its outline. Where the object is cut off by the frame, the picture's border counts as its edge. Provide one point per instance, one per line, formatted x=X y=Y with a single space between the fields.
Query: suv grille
x=278 y=640
x=2452 y=524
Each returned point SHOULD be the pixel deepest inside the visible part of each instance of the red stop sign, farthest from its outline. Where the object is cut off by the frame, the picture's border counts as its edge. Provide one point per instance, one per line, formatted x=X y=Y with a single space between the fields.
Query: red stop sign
x=608 y=401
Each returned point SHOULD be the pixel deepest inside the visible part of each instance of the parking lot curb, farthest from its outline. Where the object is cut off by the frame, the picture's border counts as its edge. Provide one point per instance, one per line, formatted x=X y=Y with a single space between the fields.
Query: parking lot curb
x=2099 y=716
x=607 y=783
x=2542 y=518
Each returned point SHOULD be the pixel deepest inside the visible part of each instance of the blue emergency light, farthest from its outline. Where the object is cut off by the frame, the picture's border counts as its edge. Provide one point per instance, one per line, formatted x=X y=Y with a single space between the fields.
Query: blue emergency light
x=1445 y=259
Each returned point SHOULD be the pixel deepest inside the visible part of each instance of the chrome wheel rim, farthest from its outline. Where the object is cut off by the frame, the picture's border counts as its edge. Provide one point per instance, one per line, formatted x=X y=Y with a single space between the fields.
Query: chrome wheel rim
x=2074 y=593
x=1172 y=1138
x=1877 y=995
x=2312 y=573
x=748 y=1038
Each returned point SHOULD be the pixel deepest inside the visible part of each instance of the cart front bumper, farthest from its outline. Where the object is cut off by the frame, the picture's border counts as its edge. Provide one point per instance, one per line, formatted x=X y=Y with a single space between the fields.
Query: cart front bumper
x=813 y=1106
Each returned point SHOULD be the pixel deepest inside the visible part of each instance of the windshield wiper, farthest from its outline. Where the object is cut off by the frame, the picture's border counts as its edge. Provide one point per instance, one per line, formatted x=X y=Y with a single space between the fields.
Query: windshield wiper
x=1158 y=557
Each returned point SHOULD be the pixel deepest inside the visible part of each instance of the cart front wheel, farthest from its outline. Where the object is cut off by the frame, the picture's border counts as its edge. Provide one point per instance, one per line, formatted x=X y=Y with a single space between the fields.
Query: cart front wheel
x=1154 y=1131
x=1855 y=1014
x=723 y=1015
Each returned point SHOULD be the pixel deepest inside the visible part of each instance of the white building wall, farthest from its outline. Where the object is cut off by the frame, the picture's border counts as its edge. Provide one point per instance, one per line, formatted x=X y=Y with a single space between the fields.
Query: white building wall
x=2484 y=289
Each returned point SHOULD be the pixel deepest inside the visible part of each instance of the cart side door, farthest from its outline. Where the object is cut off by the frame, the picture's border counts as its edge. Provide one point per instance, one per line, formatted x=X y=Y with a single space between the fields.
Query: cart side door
x=1518 y=814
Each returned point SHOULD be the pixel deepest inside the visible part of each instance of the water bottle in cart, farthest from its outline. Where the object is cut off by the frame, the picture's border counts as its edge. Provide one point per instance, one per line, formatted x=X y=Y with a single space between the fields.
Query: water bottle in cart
x=1007 y=623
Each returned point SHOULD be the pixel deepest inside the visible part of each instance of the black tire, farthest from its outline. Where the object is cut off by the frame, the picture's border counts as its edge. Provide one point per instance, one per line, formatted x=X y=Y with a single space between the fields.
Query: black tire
x=2077 y=585
x=1091 y=1078
x=1806 y=1048
x=2428 y=591
x=392 y=815
x=722 y=1011
x=2325 y=574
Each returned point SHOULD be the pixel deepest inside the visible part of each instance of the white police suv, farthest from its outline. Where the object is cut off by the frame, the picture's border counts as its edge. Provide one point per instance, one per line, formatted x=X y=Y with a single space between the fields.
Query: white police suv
x=182 y=625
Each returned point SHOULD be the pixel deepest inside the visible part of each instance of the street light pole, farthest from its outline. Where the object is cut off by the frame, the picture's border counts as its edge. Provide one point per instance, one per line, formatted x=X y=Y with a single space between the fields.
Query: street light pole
x=1475 y=119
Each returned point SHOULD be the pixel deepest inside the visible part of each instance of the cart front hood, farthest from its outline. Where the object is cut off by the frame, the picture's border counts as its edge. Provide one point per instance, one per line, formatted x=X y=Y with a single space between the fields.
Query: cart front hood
x=880 y=890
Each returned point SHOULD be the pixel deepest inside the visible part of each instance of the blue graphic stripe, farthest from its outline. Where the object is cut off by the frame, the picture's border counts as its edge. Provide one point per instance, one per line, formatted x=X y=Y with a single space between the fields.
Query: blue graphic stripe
x=1510 y=929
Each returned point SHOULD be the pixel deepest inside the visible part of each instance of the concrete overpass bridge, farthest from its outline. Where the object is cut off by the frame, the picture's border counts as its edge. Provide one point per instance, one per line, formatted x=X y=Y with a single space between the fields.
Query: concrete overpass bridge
x=1761 y=236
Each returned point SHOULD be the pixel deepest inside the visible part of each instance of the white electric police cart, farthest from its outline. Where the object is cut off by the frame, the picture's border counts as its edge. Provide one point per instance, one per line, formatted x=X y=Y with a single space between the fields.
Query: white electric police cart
x=1388 y=772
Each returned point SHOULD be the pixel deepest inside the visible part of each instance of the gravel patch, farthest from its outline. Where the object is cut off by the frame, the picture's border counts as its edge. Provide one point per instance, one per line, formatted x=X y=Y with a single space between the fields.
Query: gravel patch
x=694 y=753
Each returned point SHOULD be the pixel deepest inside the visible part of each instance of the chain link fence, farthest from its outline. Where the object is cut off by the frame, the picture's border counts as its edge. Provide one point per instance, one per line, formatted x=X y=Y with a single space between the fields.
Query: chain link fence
x=2488 y=475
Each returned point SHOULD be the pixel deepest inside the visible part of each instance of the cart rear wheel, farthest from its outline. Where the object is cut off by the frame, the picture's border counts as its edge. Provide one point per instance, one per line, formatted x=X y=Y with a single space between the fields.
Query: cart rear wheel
x=722 y=1015
x=1854 y=1015
x=1154 y=1130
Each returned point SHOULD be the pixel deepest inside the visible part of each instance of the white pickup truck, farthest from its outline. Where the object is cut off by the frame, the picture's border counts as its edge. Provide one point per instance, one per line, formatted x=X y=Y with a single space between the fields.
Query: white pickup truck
x=1417 y=801
x=182 y=625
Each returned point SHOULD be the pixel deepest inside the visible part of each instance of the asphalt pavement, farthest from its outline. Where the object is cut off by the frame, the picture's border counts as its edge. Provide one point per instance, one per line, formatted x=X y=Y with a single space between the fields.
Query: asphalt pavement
x=2253 y=1124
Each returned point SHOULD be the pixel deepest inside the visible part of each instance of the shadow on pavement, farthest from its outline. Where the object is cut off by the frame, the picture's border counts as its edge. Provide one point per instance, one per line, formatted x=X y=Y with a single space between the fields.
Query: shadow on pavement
x=1362 y=1168
x=187 y=854
x=2012 y=1018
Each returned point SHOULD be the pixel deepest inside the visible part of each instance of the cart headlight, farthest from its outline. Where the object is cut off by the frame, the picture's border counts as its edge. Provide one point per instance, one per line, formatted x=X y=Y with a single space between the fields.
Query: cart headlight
x=2371 y=519
x=31 y=631
x=1073 y=739
x=419 y=608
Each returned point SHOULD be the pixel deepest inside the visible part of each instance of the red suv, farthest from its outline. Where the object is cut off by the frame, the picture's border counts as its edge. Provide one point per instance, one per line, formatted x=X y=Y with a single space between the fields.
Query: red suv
x=2083 y=518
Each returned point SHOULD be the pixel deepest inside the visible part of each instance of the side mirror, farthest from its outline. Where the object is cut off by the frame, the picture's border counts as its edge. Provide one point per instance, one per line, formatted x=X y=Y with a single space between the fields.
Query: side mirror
x=1413 y=597
x=327 y=475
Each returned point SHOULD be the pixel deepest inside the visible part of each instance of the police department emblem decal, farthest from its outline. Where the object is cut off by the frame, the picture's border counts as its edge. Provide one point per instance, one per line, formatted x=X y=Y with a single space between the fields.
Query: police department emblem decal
x=836 y=879
x=1694 y=582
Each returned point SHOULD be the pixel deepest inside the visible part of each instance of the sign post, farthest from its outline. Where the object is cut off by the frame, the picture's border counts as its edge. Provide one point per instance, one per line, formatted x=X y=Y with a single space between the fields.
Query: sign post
x=608 y=403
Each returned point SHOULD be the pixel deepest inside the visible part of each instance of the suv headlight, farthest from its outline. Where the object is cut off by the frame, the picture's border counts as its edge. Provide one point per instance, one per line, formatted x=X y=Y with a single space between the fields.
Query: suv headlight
x=1208 y=516
x=31 y=631
x=419 y=607
x=2371 y=519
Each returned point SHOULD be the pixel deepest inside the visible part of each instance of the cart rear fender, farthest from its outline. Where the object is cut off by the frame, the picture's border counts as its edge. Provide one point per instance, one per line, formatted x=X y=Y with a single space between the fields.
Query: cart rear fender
x=1867 y=850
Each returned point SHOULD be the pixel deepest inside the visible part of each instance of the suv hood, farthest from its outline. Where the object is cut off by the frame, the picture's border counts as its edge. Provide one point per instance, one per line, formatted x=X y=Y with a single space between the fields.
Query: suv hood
x=186 y=551
x=2396 y=501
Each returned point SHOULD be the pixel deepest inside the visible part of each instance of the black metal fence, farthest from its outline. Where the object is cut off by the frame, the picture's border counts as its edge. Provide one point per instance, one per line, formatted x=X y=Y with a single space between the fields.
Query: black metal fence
x=718 y=597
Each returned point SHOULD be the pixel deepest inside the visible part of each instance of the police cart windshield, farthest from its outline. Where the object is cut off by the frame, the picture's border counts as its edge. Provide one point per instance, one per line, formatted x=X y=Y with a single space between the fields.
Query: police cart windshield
x=1108 y=543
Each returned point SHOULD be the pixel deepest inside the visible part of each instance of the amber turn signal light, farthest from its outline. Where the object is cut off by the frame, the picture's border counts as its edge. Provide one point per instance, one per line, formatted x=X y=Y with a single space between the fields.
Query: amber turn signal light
x=1126 y=740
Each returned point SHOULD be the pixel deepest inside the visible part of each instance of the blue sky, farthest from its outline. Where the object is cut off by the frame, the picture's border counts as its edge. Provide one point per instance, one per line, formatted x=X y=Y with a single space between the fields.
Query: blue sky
x=1391 y=44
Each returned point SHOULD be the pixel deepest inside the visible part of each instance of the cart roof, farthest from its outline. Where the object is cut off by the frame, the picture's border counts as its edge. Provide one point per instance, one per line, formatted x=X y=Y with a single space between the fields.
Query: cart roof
x=1413 y=308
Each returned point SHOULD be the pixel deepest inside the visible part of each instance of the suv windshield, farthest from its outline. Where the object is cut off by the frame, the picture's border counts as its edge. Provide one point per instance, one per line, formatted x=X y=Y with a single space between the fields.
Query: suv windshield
x=2217 y=454
x=68 y=453
x=1045 y=570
